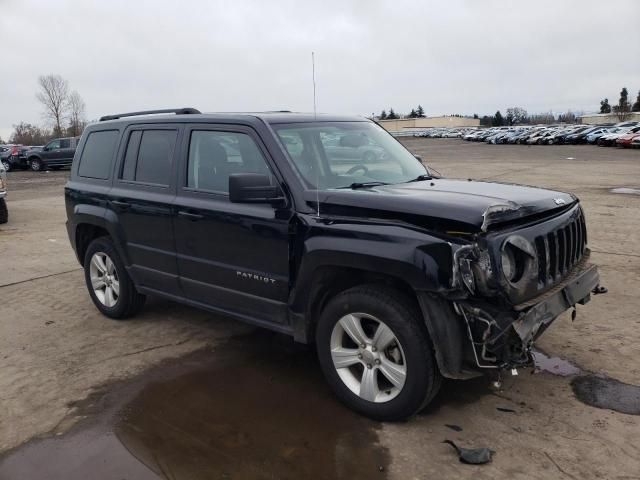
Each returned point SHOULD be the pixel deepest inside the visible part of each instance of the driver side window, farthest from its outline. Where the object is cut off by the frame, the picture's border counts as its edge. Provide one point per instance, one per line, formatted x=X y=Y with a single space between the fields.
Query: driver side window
x=54 y=145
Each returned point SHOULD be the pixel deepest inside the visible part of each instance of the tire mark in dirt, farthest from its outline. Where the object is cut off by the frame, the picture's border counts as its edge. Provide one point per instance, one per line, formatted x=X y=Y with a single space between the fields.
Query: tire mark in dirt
x=38 y=278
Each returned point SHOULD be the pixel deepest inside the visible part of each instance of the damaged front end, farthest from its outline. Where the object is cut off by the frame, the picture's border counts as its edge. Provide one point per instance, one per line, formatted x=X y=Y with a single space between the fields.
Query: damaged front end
x=513 y=283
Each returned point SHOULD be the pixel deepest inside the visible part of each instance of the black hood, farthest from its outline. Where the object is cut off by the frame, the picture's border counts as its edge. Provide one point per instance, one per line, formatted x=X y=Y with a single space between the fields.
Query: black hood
x=451 y=204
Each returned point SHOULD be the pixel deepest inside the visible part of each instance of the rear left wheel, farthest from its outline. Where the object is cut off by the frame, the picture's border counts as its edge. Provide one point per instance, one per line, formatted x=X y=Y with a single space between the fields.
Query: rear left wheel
x=108 y=282
x=375 y=353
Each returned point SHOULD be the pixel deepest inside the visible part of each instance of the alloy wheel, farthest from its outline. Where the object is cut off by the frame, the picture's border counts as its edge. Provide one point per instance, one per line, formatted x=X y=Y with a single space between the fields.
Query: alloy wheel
x=104 y=279
x=368 y=357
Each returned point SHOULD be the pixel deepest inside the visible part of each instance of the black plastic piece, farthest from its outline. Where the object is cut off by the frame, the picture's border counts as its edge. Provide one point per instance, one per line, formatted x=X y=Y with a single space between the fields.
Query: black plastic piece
x=177 y=111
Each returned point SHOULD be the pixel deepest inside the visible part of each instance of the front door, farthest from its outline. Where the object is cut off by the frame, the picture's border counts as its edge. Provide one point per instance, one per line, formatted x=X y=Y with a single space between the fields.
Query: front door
x=141 y=201
x=231 y=257
x=52 y=151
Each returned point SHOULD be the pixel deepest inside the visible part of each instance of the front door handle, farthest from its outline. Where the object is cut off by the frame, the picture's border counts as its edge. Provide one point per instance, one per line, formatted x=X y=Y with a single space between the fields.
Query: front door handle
x=120 y=204
x=190 y=216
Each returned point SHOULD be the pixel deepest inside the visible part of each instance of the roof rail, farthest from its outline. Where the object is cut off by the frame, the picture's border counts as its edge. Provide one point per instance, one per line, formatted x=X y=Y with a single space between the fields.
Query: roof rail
x=177 y=111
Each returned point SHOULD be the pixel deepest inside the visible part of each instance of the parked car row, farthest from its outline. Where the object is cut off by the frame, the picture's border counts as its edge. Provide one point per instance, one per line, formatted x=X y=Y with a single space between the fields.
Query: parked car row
x=624 y=134
x=56 y=154
x=604 y=135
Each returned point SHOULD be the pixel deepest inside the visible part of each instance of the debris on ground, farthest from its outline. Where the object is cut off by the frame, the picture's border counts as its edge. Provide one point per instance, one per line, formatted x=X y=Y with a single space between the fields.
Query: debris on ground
x=455 y=428
x=506 y=410
x=472 y=456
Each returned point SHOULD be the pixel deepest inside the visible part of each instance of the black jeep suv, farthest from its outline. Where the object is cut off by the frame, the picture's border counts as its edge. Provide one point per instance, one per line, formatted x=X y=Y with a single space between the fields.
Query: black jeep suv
x=399 y=277
x=55 y=154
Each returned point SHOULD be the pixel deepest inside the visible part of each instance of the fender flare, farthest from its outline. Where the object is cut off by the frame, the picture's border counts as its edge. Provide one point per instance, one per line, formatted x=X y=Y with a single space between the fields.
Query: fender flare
x=98 y=216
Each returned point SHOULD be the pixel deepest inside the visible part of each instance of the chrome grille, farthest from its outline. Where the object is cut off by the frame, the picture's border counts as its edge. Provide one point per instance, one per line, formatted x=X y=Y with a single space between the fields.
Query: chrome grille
x=560 y=250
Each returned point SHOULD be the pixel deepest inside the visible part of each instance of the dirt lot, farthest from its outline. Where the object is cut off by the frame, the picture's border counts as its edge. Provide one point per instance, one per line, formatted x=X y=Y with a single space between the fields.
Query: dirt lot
x=179 y=393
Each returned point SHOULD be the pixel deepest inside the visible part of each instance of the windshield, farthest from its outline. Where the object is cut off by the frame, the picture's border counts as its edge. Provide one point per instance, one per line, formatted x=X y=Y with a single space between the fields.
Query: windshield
x=345 y=154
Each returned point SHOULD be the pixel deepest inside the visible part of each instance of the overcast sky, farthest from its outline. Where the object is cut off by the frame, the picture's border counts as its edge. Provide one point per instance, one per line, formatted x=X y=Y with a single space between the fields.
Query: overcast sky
x=450 y=56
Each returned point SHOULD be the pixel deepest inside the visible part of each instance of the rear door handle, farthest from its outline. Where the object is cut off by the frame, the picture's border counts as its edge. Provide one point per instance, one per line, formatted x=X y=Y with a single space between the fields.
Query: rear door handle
x=190 y=216
x=120 y=204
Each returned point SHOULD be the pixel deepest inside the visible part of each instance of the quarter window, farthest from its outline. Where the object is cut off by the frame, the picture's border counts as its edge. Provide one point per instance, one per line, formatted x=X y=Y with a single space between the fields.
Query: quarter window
x=213 y=156
x=97 y=154
x=65 y=143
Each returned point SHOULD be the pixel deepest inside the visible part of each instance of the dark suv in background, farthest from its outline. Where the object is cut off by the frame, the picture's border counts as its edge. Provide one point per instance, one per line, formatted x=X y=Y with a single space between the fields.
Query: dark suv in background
x=55 y=154
x=398 y=276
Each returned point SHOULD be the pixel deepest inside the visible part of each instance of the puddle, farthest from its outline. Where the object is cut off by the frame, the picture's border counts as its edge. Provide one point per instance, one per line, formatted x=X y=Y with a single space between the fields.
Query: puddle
x=603 y=392
x=626 y=191
x=257 y=408
x=553 y=365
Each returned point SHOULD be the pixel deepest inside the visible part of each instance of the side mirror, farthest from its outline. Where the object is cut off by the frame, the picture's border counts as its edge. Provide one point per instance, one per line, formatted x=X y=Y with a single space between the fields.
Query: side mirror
x=418 y=157
x=253 y=188
x=45 y=149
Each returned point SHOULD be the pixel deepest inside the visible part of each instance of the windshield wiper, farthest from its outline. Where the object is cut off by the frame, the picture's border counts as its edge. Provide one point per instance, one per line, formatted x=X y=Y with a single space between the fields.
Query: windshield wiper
x=357 y=185
x=421 y=178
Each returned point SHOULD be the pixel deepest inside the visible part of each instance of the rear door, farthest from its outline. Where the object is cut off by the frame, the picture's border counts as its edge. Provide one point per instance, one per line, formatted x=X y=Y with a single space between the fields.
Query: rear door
x=67 y=149
x=141 y=201
x=232 y=257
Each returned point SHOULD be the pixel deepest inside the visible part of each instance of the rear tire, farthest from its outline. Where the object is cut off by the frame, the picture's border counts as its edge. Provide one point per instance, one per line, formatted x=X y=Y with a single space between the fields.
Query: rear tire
x=4 y=211
x=395 y=375
x=108 y=282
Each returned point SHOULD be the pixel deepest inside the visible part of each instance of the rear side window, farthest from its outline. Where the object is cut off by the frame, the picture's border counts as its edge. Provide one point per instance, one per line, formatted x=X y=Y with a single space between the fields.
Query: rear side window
x=65 y=143
x=148 y=156
x=97 y=154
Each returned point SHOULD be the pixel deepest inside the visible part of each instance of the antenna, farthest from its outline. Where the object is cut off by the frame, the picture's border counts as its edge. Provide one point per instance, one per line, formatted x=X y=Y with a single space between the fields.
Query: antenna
x=313 y=77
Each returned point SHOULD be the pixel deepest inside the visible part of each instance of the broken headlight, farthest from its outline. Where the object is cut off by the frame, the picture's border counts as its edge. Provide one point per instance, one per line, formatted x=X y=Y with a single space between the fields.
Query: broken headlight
x=517 y=258
x=474 y=269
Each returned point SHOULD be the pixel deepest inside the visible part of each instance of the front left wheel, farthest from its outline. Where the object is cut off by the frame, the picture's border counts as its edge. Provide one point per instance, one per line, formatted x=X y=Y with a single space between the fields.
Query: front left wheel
x=376 y=354
x=108 y=282
x=35 y=165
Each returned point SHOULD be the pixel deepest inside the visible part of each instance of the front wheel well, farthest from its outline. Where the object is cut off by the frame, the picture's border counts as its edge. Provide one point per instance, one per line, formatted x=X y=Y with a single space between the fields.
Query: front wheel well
x=330 y=281
x=85 y=234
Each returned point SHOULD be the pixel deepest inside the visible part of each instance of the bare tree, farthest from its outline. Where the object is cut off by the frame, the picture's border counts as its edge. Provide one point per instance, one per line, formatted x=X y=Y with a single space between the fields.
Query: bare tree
x=54 y=96
x=27 y=134
x=77 y=118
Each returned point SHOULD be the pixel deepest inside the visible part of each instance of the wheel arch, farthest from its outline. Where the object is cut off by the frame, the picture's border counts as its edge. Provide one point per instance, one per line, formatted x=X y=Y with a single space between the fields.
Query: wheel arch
x=91 y=222
x=444 y=326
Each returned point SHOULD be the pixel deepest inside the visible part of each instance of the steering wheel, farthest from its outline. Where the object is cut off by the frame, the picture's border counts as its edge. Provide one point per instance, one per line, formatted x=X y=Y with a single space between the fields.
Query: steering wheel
x=355 y=168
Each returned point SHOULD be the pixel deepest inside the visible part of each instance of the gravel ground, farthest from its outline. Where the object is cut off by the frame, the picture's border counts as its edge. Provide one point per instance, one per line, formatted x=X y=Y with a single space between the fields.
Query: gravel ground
x=56 y=351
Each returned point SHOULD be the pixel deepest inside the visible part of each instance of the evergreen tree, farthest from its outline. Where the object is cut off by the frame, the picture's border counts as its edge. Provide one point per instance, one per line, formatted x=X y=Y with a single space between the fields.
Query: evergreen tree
x=420 y=112
x=604 y=106
x=413 y=114
x=383 y=115
x=636 y=106
x=623 y=107
x=392 y=115
x=498 y=121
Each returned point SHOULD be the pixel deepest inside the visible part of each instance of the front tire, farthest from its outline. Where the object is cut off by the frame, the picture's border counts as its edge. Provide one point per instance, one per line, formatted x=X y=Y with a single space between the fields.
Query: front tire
x=35 y=165
x=376 y=354
x=108 y=282
x=7 y=165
